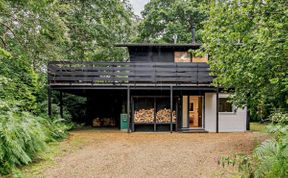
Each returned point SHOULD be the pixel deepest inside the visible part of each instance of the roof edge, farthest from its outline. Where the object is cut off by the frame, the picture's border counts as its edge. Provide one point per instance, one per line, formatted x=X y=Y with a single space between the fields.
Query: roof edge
x=157 y=45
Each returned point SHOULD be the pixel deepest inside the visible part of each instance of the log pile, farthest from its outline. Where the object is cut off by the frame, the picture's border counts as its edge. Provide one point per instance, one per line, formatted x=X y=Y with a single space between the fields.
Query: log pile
x=103 y=122
x=163 y=116
x=147 y=116
x=144 y=116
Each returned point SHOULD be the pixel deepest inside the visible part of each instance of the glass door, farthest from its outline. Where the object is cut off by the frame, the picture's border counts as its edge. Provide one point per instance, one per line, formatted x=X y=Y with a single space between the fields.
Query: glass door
x=192 y=111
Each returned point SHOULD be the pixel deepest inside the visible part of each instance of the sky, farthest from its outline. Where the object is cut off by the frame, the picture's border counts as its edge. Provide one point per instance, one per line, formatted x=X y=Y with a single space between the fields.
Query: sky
x=138 y=5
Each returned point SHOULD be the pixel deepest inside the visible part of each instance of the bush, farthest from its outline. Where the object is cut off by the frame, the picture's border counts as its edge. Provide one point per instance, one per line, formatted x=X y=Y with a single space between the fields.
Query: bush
x=23 y=135
x=279 y=118
x=270 y=158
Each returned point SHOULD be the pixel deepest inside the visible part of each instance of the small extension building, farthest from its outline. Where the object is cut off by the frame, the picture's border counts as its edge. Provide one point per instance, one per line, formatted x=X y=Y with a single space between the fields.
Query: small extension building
x=162 y=87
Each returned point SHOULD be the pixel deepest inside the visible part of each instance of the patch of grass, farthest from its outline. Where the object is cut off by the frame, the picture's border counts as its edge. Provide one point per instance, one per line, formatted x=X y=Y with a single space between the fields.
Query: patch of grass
x=258 y=127
x=43 y=161
x=47 y=158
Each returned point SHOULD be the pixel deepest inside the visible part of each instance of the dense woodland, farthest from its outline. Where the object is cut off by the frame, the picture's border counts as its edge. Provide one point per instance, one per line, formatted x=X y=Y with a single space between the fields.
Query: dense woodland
x=245 y=39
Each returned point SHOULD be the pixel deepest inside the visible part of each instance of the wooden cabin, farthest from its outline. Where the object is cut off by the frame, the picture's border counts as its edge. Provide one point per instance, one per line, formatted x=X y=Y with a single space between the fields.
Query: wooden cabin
x=162 y=87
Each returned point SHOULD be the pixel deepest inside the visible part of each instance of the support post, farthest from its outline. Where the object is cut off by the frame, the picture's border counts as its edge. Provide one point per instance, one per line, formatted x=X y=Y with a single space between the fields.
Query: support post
x=61 y=104
x=217 y=110
x=154 y=120
x=128 y=109
x=247 y=119
x=176 y=124
x=204 y=105
x=49 y=102
x=132 y=115
x=171 y=108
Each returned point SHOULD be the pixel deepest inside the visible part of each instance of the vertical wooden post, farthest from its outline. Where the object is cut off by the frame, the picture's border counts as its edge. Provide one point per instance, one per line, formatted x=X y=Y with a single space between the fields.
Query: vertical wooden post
x=128 y=108
x=203 y=116
x=49 y=102
x=61 y=104
x=171 y=108
x=132 y=114
x=217 y=110
x=176 y=124
x=155 y=111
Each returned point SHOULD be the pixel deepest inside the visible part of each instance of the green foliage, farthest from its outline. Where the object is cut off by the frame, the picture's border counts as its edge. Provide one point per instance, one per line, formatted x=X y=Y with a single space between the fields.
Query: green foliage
x=23 y=135
x=279 y=118
x=94 y=28
x=163 y=19
x=244 y=163
x=33 y=33
x=258 y=127
x=247 y=43
x=270 y=158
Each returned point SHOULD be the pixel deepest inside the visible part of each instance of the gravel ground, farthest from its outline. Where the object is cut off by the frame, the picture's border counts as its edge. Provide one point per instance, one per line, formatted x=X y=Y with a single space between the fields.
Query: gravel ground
x=117 y=154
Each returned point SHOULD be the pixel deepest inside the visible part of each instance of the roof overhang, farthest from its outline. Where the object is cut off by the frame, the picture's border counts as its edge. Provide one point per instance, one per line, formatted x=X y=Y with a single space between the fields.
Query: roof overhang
x=161 y=46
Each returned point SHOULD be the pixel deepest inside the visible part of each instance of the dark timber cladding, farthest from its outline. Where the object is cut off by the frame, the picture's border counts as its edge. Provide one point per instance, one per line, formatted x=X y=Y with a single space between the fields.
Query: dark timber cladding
x=155 y=52
x=127 y=73
x=150 y=72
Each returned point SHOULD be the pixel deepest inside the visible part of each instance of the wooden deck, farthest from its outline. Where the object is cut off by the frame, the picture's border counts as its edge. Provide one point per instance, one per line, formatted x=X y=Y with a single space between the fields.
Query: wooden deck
x=113 y=74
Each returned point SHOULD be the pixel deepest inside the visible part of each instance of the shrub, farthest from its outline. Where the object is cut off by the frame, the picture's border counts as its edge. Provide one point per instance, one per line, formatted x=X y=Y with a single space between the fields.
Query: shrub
x=270 y=158
x=279 y=118
x=23 y=135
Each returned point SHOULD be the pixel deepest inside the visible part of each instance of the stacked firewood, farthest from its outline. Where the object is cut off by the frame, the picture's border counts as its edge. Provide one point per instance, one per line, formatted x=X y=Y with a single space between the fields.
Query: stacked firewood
x=144 y=116
x=147 y=116
x=164 y=116
x=103 y=122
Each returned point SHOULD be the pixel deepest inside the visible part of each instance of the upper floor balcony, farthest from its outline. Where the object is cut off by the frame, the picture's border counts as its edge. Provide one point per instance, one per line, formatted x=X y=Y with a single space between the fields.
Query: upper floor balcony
x=115 y=74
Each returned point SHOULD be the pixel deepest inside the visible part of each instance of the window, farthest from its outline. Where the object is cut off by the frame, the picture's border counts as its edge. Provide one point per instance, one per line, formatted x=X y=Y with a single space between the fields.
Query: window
x=224 y=105
x=200 y=59
x=182 y=56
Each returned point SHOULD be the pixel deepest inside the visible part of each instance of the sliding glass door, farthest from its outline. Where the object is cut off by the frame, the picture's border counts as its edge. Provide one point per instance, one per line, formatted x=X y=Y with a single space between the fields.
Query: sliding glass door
x=192 y=111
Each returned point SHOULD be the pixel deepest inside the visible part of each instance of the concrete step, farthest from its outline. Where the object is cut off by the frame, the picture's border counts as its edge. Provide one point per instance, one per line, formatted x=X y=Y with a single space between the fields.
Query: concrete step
x=194 y=131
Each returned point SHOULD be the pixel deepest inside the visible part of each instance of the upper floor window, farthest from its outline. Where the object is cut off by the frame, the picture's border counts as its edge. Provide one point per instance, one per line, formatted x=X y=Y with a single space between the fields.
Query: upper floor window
x=183 y=56
x=180 y=56
x=200 y=58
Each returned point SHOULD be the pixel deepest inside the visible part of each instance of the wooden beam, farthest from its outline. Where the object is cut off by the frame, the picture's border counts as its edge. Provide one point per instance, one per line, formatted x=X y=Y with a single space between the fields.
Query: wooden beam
x=176 y=124
x=132 y=114
x=203 y=105
x=49 y=102
x=171 y=108
x=217 y=110
x=155 y=111
x=128 y=109
x=61 y=104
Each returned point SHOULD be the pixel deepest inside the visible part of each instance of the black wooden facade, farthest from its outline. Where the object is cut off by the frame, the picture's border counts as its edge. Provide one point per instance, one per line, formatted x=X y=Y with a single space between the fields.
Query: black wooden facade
x=155 y=52
x=112 y=87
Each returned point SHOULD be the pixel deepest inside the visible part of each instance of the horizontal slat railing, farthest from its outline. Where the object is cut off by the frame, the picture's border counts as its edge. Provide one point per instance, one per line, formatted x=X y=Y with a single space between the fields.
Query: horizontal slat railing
x=121 y=73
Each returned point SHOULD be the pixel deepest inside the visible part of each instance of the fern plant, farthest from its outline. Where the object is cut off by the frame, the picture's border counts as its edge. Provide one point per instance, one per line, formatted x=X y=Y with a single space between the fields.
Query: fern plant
x=270 y=158
x=23 y=135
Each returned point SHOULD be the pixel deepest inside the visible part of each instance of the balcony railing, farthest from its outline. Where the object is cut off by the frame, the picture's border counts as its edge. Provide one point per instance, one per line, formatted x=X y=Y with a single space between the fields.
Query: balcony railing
x=127 y=73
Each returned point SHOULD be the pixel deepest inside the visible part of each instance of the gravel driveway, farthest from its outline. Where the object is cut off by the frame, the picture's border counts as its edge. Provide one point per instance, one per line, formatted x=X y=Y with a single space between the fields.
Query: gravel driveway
x=117 y=154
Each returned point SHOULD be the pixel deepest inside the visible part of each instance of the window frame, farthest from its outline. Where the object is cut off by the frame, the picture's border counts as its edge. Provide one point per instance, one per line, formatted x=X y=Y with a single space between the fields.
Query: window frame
x=183 y=52
x=234 y=109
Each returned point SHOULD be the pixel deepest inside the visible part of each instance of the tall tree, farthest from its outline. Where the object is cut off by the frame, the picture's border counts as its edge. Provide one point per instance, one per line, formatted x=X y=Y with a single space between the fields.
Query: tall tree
x=247 y=43
x=29 y=28
x=162 y=19
x=94 y=28
x=35 y=32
